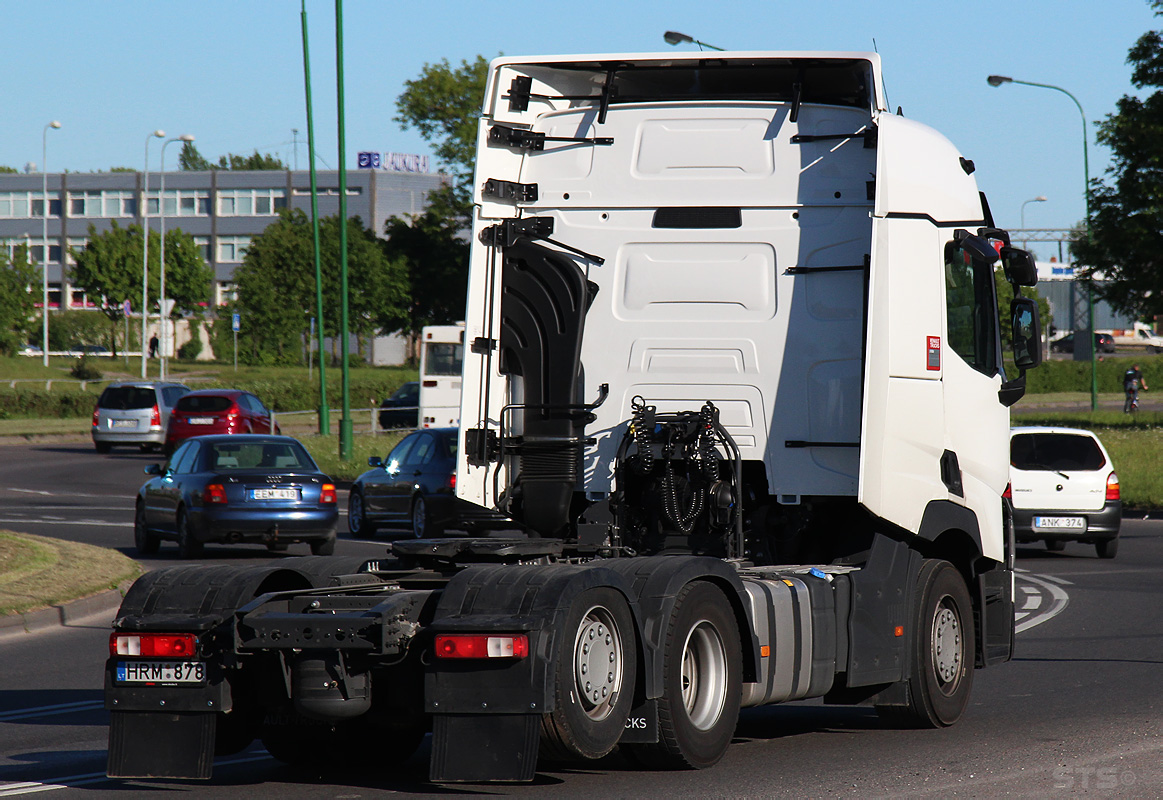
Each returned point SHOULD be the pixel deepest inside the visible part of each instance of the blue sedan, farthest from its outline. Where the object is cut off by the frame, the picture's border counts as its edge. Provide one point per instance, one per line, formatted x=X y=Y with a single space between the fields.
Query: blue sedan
x=237 y=488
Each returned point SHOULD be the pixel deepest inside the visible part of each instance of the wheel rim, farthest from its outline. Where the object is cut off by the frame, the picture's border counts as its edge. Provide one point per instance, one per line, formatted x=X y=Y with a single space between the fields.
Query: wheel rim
x=598 y=662
x=355 y=512
x=947 y=646
x=419 y=518
x=704 y=675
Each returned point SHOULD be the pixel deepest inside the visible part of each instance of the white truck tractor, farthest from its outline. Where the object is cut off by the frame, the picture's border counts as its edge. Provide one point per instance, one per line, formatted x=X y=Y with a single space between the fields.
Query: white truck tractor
x=733 y=367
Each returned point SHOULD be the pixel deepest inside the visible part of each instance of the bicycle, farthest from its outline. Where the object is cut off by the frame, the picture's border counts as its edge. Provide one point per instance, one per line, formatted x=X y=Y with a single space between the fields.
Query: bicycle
x=1131 y=401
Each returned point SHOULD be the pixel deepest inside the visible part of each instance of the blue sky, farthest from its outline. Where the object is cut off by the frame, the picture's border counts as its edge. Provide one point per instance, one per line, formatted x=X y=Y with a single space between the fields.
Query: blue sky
x=231 y=72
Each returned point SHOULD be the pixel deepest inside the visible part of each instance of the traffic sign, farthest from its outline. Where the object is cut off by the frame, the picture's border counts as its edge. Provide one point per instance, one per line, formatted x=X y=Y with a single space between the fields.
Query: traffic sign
x=236 y=322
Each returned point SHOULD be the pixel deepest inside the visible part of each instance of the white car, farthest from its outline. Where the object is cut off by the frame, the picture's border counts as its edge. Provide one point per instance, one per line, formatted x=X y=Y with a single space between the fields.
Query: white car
x=1063 y=488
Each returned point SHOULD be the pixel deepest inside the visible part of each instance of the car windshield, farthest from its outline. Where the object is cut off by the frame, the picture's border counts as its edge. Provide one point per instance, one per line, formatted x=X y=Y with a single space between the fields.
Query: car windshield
x=1055 y=451
x=259 y=455
x=204 y=402
x=124 y=398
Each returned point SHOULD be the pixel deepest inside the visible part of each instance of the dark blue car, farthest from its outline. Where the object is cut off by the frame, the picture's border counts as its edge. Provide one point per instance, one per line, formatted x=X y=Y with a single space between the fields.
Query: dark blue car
x=237 y=488
x=414 y=488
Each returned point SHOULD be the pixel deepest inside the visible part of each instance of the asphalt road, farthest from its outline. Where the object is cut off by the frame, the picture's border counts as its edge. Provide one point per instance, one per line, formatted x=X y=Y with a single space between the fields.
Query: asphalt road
x=1076 y=712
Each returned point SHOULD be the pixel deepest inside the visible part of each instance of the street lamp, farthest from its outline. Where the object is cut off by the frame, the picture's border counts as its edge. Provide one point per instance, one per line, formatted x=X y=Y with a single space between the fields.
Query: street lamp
x=164 y=316
x=1039 y=199
x=998 y=80
x=44 y=237
x=674 y=37
x=159 y=134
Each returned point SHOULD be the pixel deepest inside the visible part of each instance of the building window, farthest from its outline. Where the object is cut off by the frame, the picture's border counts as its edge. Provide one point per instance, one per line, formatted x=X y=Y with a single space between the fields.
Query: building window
x=250 y=202
x=182 y=203
x=231 y=249
x=54 y=205
x=226 y=293
x=14 y=204
x=76 y=245
x=203 y=245
x=330 y=191
x=109 y=203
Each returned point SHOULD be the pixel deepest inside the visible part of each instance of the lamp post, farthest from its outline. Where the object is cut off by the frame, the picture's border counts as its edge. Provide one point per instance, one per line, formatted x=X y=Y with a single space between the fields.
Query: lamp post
x=998 y=80
x=1039 y=199
x=44 y=237
x=159 y=134
x=164 y=315
x=674 y=37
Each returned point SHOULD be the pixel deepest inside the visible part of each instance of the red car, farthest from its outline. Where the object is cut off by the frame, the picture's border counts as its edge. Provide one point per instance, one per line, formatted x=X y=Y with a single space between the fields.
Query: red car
x=216 y=411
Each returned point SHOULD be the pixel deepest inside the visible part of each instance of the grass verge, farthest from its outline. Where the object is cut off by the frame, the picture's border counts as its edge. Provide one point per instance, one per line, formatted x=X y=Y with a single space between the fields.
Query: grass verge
x=325 y=451
x=37 y=572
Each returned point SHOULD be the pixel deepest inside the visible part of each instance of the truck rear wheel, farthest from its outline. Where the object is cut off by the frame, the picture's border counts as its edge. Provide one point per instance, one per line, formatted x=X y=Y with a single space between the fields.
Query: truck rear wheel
x=594 y=678
x=702 y=683
x=942 y=650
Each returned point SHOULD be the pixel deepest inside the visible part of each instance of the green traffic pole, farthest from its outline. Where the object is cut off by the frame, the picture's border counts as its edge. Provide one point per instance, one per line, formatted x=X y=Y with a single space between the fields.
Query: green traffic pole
x=324 y=412
x=345 y=436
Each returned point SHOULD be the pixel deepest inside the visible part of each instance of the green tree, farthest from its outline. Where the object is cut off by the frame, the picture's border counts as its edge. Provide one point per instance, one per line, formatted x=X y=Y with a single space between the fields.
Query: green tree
x=7 y=170
x=436 y=256
x=276 y=287
x=444 y=105
x=191 y=160
x=1125 y=242
x=18 y=275
x=110 y=267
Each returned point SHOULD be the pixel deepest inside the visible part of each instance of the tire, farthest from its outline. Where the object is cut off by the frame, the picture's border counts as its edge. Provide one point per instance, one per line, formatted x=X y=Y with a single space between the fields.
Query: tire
x=422 y=525
x=594 y=678
x=1107 y=548
x=188 y=545
x=323 y=547
x=941 y=657
x=146 y=542
x=1055 y=545
x=102 y=447
x=702 y=683
x=357 y=521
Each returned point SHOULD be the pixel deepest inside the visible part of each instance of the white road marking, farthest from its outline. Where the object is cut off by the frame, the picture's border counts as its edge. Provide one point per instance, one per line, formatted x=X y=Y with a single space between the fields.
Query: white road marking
x=48 y=711
x=1042 y=588
x=28 y=787
x=43 y=493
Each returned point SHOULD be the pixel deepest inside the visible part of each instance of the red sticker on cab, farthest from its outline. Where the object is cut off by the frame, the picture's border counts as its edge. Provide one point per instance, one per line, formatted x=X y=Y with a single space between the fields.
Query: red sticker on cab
x=933 y=359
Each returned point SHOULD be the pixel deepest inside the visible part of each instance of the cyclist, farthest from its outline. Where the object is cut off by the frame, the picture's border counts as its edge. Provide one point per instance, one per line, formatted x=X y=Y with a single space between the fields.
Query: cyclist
x=1132 y=383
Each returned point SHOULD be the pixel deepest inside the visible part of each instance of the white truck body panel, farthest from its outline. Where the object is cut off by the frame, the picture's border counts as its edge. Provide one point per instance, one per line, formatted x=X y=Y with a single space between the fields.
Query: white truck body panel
x=441 y=364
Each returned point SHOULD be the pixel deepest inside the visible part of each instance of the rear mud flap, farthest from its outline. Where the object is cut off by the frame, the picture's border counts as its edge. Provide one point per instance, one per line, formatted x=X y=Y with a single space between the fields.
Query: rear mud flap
x=151 y=744
x=475 y=748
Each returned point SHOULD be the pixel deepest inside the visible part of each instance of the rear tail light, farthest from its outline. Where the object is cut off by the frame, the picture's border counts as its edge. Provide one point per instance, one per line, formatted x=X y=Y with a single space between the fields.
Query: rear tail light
x=165 y=645
x=96 y=416
x=1008 y=494
x=452 y=481
x=327 y=494
x=471 y=645
x=214 y=493
x=155 y=419
x=1112 y=487
x=233 y=413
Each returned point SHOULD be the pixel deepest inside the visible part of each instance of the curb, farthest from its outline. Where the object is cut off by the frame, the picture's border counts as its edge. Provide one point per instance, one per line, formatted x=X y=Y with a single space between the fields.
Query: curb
x=15 y=626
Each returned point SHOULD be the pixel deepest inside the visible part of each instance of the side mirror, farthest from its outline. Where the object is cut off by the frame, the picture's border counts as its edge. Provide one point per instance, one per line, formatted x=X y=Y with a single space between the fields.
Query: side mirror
x=153 y=469
x=1019 y=266
x=1027 y=331
x=977 y=246
x=375 y=461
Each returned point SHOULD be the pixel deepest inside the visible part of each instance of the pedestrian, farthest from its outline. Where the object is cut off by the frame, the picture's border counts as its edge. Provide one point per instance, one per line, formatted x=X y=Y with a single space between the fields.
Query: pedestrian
x=153 y=343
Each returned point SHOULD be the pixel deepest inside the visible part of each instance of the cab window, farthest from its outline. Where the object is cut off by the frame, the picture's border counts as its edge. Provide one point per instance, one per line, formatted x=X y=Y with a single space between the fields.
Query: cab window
x=971 y=310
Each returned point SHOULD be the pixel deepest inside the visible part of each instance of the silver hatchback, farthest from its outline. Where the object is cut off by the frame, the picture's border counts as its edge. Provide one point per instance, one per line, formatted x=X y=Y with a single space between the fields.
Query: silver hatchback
x=134 y=413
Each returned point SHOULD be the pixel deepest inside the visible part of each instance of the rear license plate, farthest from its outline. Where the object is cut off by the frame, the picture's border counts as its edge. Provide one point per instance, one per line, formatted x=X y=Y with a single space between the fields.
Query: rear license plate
x=124 y=423
x=201 y=420
x=274 y=494
x=161 y=672
x=1060 y=523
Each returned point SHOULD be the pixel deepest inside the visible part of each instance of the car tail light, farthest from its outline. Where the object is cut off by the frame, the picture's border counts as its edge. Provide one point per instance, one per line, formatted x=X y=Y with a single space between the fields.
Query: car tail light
x=155 y=419
x=327 y=493
x=214 y=493
x=96 y=416
x=452 y=481
x=472 y=645
x=233 y=413
x=1112 y=487
x=1008 y=494
x=167 y=645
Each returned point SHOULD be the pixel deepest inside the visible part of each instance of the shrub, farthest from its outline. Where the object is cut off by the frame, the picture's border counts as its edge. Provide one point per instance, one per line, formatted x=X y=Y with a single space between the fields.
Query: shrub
x=193 y=348
x=83 y=370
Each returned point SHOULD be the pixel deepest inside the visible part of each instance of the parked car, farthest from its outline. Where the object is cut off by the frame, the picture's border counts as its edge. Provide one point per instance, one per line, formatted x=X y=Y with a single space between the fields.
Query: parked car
x=236 y=488
x=1063 y=488
x=402 y=409
x=1103 y=343
x=77 y=349
x=134 y=413
x=30 y=350
x=209 y=411
x=414 y=488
